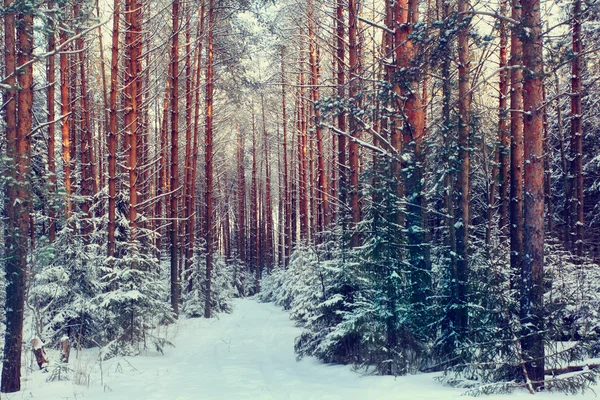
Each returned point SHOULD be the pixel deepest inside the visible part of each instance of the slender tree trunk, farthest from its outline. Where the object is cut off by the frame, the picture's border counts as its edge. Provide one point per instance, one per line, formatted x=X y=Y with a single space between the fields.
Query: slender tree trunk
x=463 y=185
x=353 y=123
x=503 y=128
x=133 y=51
x=112 y=131
x=268 y=198
x=532 y=284
x=105 y=103
x=577 y=132
x=341 y=92
x=516 y=146
x=254 y=223
x=547 y=170
x=564 y=166
x=296 y=144
x=322 y=193
x=87 y=174
x=174 y=192
x=188 y=185
x=303 y=155
x=241 y=197
x=286 y=189
x=50 y=101
x=192 y=219
x=208 y=217
x=162 y=184
x=65 y=100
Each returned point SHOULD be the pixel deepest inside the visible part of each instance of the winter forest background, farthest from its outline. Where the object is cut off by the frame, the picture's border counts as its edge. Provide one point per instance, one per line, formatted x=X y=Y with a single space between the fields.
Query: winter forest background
x=416 y=181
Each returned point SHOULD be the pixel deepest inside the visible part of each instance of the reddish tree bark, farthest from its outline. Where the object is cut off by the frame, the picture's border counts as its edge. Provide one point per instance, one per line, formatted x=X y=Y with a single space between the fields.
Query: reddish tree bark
x=88 y=182
x=173 y=196
x=65 y=100
x=532 y=279
x=112 y=130
x=322 y=205
x=341 y=118
x=17 y=203
x=463 y=185
x=208 y=160
x=133 y=41
x=187 y=245
x=354 y=83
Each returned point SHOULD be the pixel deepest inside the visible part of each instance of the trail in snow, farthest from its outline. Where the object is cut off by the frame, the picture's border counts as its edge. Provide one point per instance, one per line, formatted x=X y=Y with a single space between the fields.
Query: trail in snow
x=247 y=355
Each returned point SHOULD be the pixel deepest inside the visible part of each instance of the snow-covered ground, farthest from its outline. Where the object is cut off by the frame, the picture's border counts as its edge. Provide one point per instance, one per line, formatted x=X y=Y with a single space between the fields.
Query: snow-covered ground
x=245 y=355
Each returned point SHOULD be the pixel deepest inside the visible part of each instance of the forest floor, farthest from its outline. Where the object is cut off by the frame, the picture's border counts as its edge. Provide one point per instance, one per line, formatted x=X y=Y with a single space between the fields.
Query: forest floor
x=246 y=355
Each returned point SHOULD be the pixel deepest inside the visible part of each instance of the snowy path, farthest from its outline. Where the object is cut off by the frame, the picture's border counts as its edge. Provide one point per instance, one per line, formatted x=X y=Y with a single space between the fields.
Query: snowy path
x=247 y=355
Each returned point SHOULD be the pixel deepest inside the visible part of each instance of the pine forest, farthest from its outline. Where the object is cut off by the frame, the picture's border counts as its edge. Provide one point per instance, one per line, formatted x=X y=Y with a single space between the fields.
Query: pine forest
x=414 y=183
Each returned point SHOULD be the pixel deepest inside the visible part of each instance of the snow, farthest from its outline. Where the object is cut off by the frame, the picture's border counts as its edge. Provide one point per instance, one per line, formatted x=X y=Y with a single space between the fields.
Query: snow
x=246 y=355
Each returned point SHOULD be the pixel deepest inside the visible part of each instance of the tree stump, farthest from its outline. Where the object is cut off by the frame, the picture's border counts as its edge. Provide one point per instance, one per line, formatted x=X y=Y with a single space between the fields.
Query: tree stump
x=65 y=349
x=39 y=352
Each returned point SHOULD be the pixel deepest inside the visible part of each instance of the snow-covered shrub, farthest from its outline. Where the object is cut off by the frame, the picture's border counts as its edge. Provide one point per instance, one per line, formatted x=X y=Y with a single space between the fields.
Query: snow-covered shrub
x=65 y=284
x=347 y=316
x=282 y=285
x=573 y=301
x=134 y=299
x=223 y=288
x=491 y=358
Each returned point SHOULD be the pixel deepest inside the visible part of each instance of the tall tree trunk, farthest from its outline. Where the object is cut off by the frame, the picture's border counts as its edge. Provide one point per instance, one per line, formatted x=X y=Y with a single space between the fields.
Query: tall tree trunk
x=353 y=123
x=241 y=197
x=286 y=184
x=503 y=128
x=133 y=43
x=532 y=284
x=192 y=219
x=563 y=163
x=188 y=185
x=577 y=133
x=105 y=114
x=410 y=107
x=174 y=192
x=87 y=174
x=112 y=131
x=208 y=217
x=341 y=118
x=463 y=185
x=254 y=223
x=516 y=145
x=303 y=155
x=295 y=172
x=162 y=184
x=50 y=100
x=322 y=193
x=65 y=101
x=17 y=201
x=547 y=169
x=268 y=197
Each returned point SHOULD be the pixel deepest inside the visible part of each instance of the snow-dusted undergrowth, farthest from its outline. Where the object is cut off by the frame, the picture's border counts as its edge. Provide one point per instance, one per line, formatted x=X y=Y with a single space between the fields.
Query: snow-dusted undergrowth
x=246 y=355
